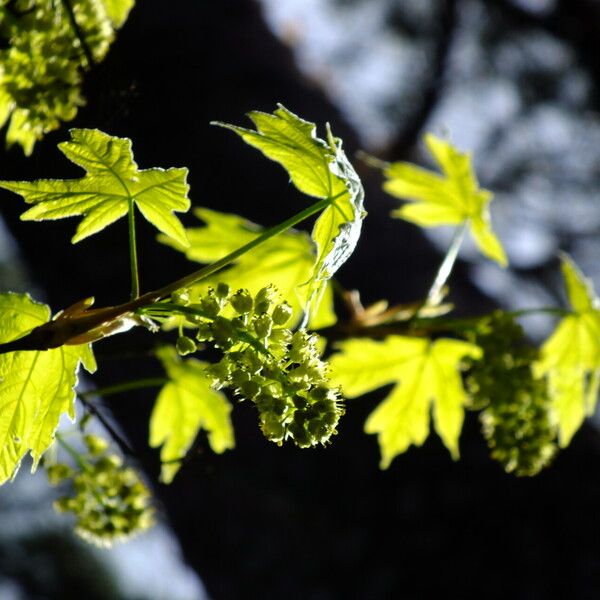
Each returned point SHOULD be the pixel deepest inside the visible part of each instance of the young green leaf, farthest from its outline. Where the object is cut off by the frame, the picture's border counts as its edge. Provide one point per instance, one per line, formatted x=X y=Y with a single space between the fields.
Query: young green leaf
x=286 y=261
x=570 y=357
x=36 y=388
x=112 y=182
x=424 y=373
x=320 y=169
x=186 y=404
x=451 y=199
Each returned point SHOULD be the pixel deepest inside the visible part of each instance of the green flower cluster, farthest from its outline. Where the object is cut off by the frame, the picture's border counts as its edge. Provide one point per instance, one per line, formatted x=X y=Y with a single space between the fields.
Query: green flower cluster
x=517 y=419
x=265 y=362
x=109 y=500
x=40 y=71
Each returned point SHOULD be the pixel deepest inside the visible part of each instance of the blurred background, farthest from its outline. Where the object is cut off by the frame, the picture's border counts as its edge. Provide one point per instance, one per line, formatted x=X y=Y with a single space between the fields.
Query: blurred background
x=514 y=81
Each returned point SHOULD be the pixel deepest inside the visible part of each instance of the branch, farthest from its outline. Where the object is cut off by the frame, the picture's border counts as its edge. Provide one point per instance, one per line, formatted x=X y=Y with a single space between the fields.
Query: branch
x=80 y=324
x=78 y=33
x=121 y=442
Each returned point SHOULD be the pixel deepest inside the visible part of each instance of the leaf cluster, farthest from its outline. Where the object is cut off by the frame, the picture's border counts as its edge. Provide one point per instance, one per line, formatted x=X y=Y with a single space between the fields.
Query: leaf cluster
x=437 y=367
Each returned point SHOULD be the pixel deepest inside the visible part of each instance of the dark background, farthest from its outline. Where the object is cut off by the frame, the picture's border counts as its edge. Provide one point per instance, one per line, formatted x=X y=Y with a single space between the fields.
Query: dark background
x=269 y=522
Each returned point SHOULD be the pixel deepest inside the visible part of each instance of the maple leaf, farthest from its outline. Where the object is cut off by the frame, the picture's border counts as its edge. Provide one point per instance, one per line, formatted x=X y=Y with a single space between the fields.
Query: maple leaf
x=184 y=406
x=424 y=372
x=570 y=357
x=36 y=388
x=286 y=260
x=449 y=199
x=320 y=169
x=112 y=185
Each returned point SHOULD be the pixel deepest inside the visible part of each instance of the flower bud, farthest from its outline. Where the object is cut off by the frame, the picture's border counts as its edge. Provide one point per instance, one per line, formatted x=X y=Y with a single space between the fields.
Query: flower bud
x=282 y=313
x=239 y=377
x=204 y=332
x=263 y=299
x=272 y=428
x=222 y=291
x=95 y=444
x=242 y=302
x=185 y=345
x=299 y=434
x=210 y=304
x=59 y=473
x=263 y=325
x=223 y=332
x=249 y=389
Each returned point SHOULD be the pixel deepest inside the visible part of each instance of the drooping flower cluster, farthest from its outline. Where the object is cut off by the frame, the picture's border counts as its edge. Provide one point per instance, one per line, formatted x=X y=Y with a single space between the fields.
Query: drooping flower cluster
x=41 y=79
x=109 y=500
x=265 y=362
x=517 y=419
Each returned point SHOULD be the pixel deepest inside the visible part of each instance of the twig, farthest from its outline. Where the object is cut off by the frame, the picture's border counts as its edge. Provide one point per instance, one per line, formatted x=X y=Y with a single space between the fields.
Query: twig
x=78 y=33
x=124 y=446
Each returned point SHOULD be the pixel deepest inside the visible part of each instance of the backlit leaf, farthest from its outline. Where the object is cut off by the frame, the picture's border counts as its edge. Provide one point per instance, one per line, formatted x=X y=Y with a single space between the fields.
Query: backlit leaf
x=447 y=199
x=320 y=169
x=36 y=387
x=112 y=181
x=570 y=357
x=184 y=406
x=286 y=260
x=424 y=373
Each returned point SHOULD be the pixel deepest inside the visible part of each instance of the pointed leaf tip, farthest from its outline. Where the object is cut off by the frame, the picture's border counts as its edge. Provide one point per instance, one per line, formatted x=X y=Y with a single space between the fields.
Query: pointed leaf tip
x=320 y=169
x=102 y=196
x=426 y=374
x=447 y=198
x=570 y=357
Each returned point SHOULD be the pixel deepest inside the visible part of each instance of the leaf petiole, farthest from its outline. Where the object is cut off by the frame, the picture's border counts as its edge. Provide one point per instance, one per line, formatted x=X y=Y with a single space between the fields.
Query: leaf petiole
x=76 y=456
x=58 y=332
x=126 y=386
x=135 y=279
x=208 y=270
x=435 y=294
x=89 y=58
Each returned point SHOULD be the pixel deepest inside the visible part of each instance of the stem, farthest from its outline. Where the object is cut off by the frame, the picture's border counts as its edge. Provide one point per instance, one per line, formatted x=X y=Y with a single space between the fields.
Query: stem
x=559 y=312
x=170 y=308
x=127 y=386
x=78 y=33
x=434 y=296
x=76 y=456
x=458 y=324
x=124 y=446
x=135 y=280
x=61 y=331
x=263 y=237
x=372 y=161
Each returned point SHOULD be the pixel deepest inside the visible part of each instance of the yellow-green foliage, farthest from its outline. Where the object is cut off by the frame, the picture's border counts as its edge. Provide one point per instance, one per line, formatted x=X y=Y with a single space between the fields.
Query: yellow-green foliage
x=112 y=183
x=41 y=70
x=36 y=388
x=424 y=372
x=452 y=198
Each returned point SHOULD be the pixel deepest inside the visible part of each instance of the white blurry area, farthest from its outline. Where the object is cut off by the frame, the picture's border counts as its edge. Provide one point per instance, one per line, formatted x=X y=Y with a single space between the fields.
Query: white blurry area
x=518 y=99
x=349 y=49
x=147 y=567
